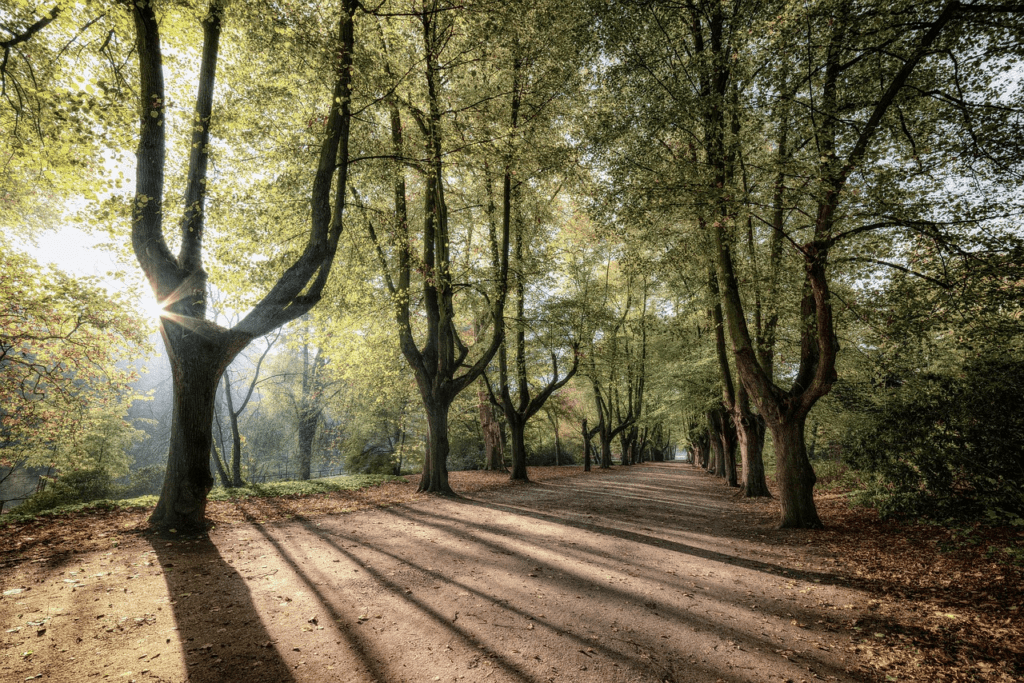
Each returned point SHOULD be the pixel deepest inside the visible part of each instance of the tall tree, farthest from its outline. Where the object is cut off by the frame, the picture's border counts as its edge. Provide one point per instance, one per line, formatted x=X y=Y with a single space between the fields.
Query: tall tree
x=200 y=350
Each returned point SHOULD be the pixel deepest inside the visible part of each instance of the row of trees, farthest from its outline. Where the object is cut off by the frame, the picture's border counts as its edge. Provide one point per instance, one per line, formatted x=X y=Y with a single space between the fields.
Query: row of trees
x=677 y=210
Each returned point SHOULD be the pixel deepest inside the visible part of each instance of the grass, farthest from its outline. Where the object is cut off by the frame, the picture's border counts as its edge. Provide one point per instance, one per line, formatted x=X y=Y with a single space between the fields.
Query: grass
x=278 y=489
x=140 y=503
x=297 y=489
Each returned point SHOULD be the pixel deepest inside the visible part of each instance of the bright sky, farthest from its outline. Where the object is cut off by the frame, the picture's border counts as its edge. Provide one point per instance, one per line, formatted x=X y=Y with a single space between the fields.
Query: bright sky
x=74 y=251
x=77 y=252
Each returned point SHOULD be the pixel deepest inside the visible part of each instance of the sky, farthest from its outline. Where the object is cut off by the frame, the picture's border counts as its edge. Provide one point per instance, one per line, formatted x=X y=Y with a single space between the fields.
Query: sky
x=80 y=253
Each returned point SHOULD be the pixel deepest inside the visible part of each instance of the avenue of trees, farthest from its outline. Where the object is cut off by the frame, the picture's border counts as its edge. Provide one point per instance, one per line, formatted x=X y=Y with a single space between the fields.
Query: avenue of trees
x=773 y=237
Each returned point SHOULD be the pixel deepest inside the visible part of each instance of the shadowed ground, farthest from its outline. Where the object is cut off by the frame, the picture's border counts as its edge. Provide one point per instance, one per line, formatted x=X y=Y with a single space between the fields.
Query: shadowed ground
x=650 y=573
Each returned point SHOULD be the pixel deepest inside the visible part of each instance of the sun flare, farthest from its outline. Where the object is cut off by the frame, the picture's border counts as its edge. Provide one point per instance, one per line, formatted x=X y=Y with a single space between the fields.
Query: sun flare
x=155 y=311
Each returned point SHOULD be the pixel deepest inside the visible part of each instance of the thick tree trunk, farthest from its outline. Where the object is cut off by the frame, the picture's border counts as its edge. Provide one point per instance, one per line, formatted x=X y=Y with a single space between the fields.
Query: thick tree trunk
x=750 y=434
x=307 y=433
x=795 y=474
x=435 y=460
x=197 y=362
x=517 y=430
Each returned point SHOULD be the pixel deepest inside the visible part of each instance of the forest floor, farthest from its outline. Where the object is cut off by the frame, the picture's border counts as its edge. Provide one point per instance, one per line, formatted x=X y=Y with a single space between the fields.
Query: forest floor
x=655 y=572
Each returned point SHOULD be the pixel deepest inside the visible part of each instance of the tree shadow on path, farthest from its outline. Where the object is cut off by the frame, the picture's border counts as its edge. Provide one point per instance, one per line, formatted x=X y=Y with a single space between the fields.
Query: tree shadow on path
x=221 y=633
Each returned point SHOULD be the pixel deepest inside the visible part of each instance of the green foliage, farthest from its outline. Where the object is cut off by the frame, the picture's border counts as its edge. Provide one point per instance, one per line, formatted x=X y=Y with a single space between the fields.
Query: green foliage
x=946 y=443
x=144 y=481
x=77 y=486
x=23 y=515
x=298 y=489
x=62 y=390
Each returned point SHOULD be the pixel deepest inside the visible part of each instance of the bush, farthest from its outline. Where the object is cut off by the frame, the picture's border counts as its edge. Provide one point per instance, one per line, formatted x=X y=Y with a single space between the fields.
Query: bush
x=145 y=481
x=544 y=456
x=947 y=444
x=76 y=486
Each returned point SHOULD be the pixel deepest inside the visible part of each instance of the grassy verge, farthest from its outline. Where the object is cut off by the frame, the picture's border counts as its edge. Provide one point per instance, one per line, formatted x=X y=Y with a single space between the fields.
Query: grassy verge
x=298 y=489
x=278 y=489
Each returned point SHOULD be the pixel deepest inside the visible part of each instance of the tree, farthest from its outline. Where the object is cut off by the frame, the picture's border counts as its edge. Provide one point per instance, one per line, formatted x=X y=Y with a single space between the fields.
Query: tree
x=235 y=467
x=437 y=360
x=63 y=391
x=200 y=350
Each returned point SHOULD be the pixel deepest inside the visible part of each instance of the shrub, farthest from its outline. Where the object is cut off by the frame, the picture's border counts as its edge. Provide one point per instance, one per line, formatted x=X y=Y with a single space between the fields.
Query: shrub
x=145 y=481
x=75 y=486
x=947 y=444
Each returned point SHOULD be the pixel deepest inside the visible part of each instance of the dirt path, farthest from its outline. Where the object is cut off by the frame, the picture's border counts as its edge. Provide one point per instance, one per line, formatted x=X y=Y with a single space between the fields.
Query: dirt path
x=651 y=573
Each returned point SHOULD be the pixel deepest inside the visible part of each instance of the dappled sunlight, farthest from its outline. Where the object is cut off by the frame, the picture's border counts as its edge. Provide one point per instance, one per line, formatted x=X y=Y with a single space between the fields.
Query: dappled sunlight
x=507 y=590
x=511 y=585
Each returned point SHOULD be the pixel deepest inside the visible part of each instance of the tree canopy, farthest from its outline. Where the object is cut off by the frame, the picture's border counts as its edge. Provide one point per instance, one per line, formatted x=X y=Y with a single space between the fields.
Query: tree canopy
x=757 y=231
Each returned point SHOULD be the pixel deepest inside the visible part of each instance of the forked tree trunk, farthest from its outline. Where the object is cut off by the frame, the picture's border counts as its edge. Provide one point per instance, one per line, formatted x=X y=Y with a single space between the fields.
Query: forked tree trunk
x=795 y=474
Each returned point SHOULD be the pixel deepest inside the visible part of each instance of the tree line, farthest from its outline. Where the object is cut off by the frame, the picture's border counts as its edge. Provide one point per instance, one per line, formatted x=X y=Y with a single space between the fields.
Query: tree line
x=698 y=224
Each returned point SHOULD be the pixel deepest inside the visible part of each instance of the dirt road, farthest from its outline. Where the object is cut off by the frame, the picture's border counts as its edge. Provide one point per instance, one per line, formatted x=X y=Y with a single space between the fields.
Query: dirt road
x=650 y=573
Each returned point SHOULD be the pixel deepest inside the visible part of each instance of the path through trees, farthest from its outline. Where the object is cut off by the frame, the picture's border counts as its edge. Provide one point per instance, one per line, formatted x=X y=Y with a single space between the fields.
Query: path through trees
x=648 y=573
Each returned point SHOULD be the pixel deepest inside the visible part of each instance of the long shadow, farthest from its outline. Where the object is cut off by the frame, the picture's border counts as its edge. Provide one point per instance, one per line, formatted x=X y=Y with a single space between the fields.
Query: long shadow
x=613 y=596
x=464 y=634
x=219 y=627
x=340 y=621
x=626 y=598
x=664 y=544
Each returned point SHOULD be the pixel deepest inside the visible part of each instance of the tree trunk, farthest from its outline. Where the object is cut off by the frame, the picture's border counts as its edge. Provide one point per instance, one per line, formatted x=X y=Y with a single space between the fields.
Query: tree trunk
x=435 y=460
x=558 y=443
x=308 y=423
x=728 y=436
x=236 y=452
x=795 y=475
x=586 y=447
x=494 y=454
x=225 y=480
x=625 y=444
x=716 y=464
x=197 y=362
x=750 y=434
x=517 y=429
x=606 y=451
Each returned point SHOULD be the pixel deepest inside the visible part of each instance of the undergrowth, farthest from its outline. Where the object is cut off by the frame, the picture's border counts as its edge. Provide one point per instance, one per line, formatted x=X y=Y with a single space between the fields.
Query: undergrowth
x=297 y=489
x=277 y=489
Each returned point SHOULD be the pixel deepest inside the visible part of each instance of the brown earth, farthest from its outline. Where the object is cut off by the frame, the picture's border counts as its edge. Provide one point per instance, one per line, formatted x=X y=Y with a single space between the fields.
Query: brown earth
x=648 y=573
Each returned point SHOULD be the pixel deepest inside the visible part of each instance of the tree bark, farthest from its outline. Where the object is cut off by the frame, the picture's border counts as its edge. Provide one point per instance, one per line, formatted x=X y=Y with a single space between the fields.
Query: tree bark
x=587 y=435
x=308 y=422
x=795 y=474
x=750 y=430
x=517 y=430
x=435 y=460
x=490 y=428
x=198 y=359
